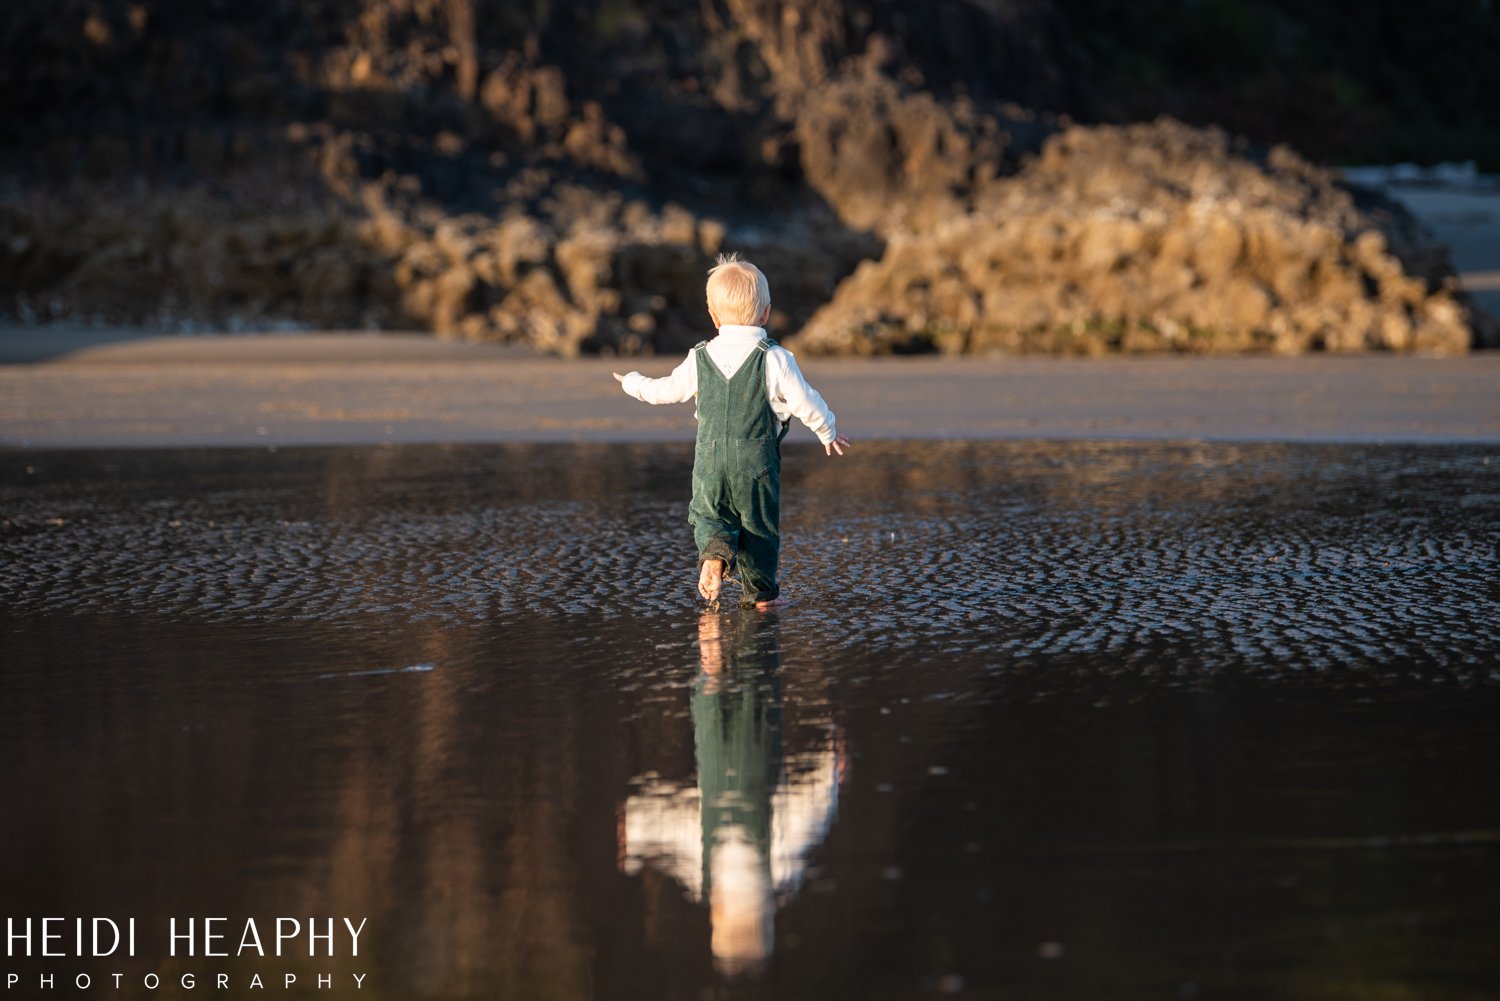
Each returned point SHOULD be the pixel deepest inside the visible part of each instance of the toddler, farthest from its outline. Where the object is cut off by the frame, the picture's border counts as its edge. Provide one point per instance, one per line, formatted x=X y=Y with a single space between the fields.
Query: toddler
x=748 y=389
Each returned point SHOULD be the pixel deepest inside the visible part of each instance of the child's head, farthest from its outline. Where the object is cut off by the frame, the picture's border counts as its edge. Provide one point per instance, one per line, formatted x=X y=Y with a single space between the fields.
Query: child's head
x=737 y=292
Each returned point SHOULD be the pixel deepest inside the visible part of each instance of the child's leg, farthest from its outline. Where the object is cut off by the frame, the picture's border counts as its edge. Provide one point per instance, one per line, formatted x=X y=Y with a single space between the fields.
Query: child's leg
x=715 y=528
x=758 y=558
x=760 y=531
x=716 y=535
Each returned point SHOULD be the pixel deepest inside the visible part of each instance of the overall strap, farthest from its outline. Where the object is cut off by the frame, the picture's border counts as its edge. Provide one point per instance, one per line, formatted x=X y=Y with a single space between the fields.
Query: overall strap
x=764 y=345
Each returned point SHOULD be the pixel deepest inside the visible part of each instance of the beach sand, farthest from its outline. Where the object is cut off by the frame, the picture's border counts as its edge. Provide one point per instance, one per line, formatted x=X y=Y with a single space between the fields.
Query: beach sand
x=66 y=389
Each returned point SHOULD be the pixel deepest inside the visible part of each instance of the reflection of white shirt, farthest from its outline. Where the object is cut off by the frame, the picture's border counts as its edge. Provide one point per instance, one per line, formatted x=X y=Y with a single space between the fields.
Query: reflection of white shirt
x=663 y=824
x=788 y=391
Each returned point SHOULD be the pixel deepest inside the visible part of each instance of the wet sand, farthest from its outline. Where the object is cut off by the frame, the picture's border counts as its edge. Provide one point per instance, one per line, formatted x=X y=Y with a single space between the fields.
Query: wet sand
x=1055 y=720
x=90 y=389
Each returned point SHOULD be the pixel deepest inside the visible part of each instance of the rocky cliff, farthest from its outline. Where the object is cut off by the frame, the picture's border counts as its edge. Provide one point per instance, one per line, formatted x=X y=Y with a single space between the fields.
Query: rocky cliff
x=560 y=175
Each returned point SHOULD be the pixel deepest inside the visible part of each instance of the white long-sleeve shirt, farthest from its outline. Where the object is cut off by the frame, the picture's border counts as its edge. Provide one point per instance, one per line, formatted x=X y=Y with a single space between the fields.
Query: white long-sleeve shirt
x=789 y=393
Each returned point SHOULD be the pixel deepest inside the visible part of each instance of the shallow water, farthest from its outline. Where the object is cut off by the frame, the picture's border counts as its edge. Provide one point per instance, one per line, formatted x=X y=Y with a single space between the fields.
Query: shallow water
x=1059 y=720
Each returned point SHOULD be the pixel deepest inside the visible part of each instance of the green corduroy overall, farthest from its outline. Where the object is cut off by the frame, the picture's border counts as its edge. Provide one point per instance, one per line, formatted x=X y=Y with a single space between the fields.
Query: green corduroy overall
x=736 y=506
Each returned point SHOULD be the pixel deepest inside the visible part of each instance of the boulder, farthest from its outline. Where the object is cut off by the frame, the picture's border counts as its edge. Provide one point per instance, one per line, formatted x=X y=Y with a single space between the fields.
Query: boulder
x=1152 y=237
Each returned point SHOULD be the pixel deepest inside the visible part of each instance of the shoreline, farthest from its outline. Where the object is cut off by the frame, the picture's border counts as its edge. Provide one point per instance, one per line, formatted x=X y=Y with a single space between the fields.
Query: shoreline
x=360 y=389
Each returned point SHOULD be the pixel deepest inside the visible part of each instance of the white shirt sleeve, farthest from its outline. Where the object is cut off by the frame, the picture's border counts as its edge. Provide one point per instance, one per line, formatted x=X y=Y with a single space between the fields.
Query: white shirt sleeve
x=791 y=395
x=679 y=387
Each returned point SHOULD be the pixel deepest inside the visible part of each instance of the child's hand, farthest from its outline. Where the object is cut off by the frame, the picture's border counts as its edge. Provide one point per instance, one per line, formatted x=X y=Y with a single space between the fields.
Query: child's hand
x=838 y=445
x=618 y=376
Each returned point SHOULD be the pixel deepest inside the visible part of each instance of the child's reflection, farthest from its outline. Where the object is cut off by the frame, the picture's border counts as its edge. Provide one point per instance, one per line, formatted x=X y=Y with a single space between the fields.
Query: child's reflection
x=737 y=743
x=739 y=840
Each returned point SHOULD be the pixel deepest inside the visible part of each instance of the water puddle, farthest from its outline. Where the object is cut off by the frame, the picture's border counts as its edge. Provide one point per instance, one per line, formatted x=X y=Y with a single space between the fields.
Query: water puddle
x=1057 y=720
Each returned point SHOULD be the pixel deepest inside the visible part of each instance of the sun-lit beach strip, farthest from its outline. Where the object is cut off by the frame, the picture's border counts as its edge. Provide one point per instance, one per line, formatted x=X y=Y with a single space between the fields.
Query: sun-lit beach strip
x=363 y=389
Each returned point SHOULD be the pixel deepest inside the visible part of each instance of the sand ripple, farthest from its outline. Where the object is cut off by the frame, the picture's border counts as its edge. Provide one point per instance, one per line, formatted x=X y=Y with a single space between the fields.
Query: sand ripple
x=1151 y=556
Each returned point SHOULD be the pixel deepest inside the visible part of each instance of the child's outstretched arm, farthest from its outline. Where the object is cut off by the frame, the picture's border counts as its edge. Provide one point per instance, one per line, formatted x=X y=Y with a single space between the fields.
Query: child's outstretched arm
x=805 y=403
x=679 y=387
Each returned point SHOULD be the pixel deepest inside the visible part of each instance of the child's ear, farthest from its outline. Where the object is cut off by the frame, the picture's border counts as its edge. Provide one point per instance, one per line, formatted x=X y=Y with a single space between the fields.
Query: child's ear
x=714 y=317
x=765 y=317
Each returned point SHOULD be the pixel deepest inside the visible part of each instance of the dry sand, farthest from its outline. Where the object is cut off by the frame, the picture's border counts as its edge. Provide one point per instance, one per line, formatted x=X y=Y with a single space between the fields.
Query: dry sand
x=87 y=389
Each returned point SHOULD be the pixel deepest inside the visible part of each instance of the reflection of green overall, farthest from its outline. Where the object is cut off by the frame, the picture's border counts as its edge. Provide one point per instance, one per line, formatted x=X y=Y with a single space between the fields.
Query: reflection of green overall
x=736 y=506
x=737 y=740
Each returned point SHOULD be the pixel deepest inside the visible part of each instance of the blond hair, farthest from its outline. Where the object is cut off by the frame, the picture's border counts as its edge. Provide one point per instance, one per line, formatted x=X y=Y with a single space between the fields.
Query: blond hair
x=737 y=291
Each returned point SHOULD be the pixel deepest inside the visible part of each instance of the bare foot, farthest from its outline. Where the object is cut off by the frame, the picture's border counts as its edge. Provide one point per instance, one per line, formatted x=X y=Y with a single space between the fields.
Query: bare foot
x=766 y=606
x=711 y=579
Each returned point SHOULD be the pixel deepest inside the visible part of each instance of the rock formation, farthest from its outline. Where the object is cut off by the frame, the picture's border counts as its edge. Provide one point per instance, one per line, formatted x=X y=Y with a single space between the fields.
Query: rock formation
x=1152 y=237
x=561 y=175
